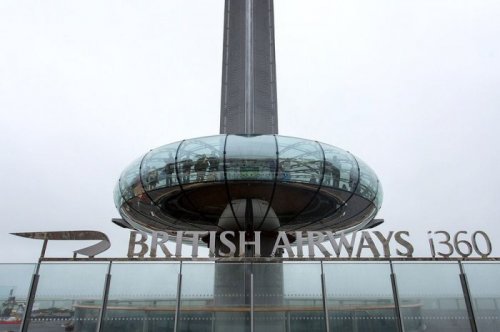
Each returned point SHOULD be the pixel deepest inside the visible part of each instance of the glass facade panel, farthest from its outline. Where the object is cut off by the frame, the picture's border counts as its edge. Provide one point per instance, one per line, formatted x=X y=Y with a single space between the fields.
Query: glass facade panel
x=300 y=171
x=215 y=297
x=142 y=297
x=201 y=159
x=117 y=196
x=208 y=183
x=130 y=181
x=15 y=281
x=368 y=182
x=431 y=297
x=359 y=297
x=251 y=157
x=288 y=297
x=299 y=160
x=341 y=170
x=484 y=287
x=297 y=306
x=380 y=196
x=158 y=167
x=69 y=296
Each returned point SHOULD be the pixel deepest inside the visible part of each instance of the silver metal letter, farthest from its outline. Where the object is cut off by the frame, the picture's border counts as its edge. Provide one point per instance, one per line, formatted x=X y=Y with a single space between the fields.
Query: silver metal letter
x=163 y=237
x=298 y=241
x=178 y=244
x=365 y=236
x=133 y=242
x=211 y=245
x=385 y=242
x=337 y=248
x=244 y=243
x=312 y=242
x=407 y=245
x=195 y=241
x=230 y=245
x=487 y=242
x=286 y=244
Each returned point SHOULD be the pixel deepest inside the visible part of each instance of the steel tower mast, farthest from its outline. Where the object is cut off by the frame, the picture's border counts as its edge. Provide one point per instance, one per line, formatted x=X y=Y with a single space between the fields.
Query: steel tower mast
x=248 y=99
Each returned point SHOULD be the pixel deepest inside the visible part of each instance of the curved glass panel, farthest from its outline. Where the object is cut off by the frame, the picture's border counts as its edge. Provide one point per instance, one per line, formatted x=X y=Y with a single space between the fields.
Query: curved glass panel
x=299 y=160
x=341 y=170
x=250 y=157
x=290 y=183
x=200 y=159
x=117 y=196
x=380 y=196
x=139 y=206
x=300 y=170
x=368 y=182
x=130 y=182
x=158 y=167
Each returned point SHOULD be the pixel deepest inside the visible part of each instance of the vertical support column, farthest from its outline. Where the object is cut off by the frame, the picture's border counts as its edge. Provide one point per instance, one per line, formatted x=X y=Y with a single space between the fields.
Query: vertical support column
x=399 y=317
x=251 y=304
x=105 y=294
x=323 y=291
x=248 y=98
x=178 y=299
x=32 y=292
x=467 y=297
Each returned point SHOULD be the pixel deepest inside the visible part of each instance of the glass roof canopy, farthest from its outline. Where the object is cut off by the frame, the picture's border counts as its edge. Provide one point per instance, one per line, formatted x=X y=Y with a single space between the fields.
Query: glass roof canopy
x=205 y=184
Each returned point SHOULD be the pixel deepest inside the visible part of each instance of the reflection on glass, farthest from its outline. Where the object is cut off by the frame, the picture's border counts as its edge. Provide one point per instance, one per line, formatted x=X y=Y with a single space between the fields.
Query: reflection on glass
x=359 y=297
x=368 y=182
x=130 y=182
x=299 y=160
x=215 y=297
x=288 y=297
x=69 y=296
x=196 y=180
x=341 y=170
x=142 y=297
x=380 y=196
x=483 y=280
x=251 y=157
x=431 y=297
x=117 y=196
x=248 y=158
x=14 y=288
x=201 y=159
x=158 y=167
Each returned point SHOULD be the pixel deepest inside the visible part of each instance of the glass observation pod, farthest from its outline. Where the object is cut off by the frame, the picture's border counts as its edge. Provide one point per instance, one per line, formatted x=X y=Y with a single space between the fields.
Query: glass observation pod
x=242 y=182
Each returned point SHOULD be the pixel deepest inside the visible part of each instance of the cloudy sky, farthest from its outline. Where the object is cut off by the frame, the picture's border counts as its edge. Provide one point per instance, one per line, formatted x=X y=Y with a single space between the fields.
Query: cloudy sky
x=411 y=87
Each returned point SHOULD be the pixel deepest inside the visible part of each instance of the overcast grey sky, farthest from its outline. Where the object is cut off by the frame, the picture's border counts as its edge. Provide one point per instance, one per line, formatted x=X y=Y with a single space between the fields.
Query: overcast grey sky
x=411 y=87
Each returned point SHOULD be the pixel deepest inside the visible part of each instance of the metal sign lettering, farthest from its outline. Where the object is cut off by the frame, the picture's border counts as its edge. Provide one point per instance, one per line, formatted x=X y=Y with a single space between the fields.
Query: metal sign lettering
x=327 y=244
x=91 y=251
